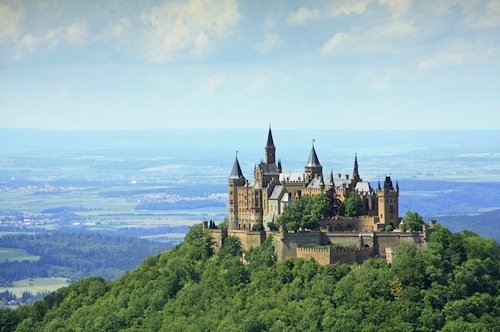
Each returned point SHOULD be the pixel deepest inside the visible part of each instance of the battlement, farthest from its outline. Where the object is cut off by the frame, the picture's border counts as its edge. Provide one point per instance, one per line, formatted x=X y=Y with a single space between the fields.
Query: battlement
x=330 y=255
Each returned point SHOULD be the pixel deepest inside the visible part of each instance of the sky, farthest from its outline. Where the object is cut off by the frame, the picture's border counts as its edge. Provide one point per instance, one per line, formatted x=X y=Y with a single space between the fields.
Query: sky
x=339 y=65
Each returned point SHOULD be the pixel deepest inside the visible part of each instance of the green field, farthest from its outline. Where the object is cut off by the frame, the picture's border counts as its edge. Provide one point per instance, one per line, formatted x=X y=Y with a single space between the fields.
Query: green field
x=36 y=285
x=14 y=254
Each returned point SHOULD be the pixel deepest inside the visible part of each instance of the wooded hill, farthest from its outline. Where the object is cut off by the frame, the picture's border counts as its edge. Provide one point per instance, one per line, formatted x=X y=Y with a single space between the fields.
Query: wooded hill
x=452 y=286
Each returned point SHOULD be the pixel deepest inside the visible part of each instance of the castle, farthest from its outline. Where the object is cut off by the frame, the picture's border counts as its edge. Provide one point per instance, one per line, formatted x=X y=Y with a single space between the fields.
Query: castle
x=253 y=204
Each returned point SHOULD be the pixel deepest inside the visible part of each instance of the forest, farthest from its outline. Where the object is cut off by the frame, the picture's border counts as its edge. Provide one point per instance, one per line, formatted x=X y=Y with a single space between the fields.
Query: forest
x=75 y=255
x=453 y=285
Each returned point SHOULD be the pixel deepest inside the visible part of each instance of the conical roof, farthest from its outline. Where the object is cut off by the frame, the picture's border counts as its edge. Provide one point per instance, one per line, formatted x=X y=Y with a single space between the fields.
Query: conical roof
x=236 y=172
x=355 y=172
x=313 y=159
x=270 y=142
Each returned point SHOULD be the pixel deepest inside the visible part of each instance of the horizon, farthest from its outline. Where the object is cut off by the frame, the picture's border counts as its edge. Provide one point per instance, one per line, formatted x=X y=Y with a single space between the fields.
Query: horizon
x=157 y=65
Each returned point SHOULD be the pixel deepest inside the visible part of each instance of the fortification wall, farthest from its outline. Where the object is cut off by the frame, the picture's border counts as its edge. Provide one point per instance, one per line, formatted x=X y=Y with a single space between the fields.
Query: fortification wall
x=329 y=255
x=286 y=244
x=394 y=239
x=248 y=239
x=320 y=255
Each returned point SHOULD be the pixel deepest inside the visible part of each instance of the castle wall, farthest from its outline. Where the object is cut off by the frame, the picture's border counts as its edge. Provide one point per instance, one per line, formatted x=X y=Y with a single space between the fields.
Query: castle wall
x=394 y=239
x=325 y=256
x=248 y=239
x=321 y=255
x=286 y=246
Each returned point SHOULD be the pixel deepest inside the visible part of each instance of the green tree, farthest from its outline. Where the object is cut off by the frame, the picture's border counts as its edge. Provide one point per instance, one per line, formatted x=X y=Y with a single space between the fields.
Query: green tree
x=413 y=221
x=305 y=213
x=352 y=206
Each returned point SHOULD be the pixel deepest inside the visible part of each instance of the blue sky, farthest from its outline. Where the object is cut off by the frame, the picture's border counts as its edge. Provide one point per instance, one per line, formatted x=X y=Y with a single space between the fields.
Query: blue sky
x=367 y=64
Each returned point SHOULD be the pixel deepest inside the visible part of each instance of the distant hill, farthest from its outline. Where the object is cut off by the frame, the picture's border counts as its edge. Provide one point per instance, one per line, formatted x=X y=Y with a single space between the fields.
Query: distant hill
x=486 y=224
x=454 y=285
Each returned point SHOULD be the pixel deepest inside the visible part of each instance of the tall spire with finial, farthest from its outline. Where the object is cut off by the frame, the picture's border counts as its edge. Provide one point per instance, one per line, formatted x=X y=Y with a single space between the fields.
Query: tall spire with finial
x=313 y=166
x=313 y=160
x=355 y=173
x=332 y=182
x=270 y=149
x=236 y=173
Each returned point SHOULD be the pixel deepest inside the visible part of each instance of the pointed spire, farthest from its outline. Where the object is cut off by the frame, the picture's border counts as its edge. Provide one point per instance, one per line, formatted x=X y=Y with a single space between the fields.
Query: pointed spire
x=313 y=160
x=236 y=172
x=379 y=187
x=355 y=173
x=332 y=183
x=270 y=141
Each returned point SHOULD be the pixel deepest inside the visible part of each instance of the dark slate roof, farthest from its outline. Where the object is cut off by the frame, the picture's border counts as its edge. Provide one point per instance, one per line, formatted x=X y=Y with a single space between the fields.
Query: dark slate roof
x=363 y=187
x=236 y=172
x=316 y=183
x=355 y=173
x=277 y=192
x=313 y=159
x=270 y=142
x=269 y=169
x=388 y=183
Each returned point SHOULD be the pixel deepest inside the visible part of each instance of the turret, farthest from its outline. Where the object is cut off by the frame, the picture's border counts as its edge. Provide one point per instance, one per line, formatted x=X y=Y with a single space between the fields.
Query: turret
x=270 y=149
x=388 y=203
x=236 y=180
x=313 y=166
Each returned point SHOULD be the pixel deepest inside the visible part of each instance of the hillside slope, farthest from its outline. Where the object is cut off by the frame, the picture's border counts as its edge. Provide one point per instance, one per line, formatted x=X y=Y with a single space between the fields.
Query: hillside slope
x=454 y=285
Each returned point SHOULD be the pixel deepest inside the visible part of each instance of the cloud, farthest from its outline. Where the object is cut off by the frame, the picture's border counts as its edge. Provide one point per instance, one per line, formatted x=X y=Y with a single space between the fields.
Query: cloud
x=116 y=31
x=446 y=58
x=351 y=7
x=458 y=52
x=193 y=27
x=9 y=24
x=380 y=38
x=75 y=34
x=304 y=16
x=270 y=42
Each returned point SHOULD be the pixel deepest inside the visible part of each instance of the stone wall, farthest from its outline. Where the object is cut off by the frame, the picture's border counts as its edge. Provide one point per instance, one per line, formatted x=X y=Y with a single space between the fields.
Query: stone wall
x=248 y=239
x=286 y=245
x=328 y=255
x=394 y=239
x=320 y=255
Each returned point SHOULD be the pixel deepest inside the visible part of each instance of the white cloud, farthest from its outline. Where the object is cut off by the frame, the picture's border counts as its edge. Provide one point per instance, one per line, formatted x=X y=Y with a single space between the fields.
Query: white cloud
x=116 y=31
x=446 y=58
x=270 y=42
x=75 y=34
x=192 y=26
x=9 y=24
x=304 y=16
x=351 y=7
x=458 y=52
x=381 y=38
x=481 y=15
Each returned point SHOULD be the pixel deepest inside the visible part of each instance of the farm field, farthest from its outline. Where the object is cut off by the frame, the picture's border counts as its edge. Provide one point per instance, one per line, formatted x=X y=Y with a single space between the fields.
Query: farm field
x=14 y=254
x=36 y=285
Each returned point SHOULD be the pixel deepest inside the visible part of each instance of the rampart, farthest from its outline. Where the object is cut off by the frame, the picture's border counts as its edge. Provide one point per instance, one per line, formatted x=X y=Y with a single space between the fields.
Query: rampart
x=329 y=255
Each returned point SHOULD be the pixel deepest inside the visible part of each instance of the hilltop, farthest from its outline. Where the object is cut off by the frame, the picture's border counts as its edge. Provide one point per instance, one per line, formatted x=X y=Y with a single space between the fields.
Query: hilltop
x=453 y=285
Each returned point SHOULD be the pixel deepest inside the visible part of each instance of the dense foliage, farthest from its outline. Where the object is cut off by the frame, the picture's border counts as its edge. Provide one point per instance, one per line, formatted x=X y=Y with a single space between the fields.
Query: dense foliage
x=75 y=255
x=452 y=286
x=413 y=222
x=304 y=213
x=351 y=207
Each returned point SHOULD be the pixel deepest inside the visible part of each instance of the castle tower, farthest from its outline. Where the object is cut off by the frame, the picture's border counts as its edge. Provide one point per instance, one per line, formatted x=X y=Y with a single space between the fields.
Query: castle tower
x=355 y=173
x=388 y=203
x=313 y=167
x=236 y=180
x=270 y=149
